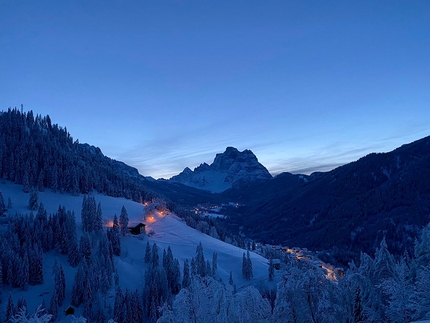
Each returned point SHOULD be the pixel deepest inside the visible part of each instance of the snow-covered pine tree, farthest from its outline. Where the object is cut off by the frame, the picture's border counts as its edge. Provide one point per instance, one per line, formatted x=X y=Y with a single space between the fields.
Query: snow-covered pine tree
x=249 y=264
x=123 y=221
x=53 y=307
x=33 y=202
x=357 y=310
x=400 y=291
x=2 y=205
x=214 y=263
x=155 y=258
x=10 y=308
x=244 y=269
x=186 y=280
x=71 y=242
x=23 y=272
x=60 y=285
x=271 y=269
x=114 y=237
x=85 y=248
x=35 y=268
x=208 y=268
x=79 y=283
x=247 y=272
x=119 y=310
x=98 y=221
x=230 y=279
x=147 y=257
x=200 y=261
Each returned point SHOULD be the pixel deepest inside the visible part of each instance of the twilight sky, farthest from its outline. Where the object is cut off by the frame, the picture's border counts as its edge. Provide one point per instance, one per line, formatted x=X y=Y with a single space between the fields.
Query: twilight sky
x=161 y=85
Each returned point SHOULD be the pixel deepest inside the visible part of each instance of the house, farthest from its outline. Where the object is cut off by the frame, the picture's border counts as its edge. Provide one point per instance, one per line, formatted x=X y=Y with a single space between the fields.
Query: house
x=69 y=311
x=138 y=229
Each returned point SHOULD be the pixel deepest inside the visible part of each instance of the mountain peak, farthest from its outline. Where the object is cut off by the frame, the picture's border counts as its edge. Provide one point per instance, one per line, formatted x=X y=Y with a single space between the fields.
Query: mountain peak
x=228 y=169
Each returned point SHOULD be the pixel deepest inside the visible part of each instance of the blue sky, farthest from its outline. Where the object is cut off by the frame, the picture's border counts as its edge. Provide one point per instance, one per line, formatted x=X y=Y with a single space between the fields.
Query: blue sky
x=161 y=85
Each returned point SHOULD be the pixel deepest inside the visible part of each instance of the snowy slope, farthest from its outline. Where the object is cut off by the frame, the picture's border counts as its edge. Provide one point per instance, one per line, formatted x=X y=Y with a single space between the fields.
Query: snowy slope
x=168 y=230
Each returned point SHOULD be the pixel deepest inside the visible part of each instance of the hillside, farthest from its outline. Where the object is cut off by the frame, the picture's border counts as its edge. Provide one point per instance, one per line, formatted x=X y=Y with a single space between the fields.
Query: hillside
x=37 y=153
x=168 y=230
x=351 y=207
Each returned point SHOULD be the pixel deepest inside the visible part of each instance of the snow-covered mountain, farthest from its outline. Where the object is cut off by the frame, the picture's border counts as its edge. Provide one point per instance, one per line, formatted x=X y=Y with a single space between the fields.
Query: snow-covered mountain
x=228 y=169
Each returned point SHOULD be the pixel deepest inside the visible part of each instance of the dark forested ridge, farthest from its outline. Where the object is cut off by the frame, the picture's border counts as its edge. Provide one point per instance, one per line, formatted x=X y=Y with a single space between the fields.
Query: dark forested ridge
x=351 y=207
x=38 y=154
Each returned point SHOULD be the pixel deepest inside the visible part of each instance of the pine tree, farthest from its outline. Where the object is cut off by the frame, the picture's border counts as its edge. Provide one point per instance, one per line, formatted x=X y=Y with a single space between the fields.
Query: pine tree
x=2 y=206
x=85 y=248
x=244 y=267
x=123 y=221
x=33 y=203
x=200 y=261
x=208 y=268
x=271 y=269
x=248 y=259
x=98 y=222
x=357 y=310
x=230 y=280
x=10 y=308
x=53 y=307
x=60 y=285
x=186 y=280
x=23 y=272
x=155 y=259
x=118 y=311
x=115 y=237
x=193 y=267
x=22 y=304
x=147 y=258
x=214 y=263
x=247 y=266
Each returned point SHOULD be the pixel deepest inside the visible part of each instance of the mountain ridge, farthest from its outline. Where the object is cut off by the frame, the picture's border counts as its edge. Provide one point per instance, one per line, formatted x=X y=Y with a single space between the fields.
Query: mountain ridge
x=351 y=207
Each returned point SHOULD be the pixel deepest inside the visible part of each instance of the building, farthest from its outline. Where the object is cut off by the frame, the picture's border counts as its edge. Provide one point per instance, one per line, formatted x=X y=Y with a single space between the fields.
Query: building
x=138 y=229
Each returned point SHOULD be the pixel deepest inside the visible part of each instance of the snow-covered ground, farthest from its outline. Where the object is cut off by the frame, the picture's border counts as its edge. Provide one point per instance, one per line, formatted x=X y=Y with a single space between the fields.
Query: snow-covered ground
x=168 y=230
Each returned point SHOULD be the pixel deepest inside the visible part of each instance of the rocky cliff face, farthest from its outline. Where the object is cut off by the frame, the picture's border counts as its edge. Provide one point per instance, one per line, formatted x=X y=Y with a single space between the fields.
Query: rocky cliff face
x=228 y=169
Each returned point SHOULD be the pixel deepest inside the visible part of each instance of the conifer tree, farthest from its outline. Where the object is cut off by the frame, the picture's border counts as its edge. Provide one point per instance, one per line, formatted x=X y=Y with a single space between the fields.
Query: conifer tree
x=186 y=280
x=358 y=312
x=123 y=221
x=155 y=259
x=10 y=308
x=115 y=237
x=85 y=248
x=98 y=221
x=2 y=206
x=147 y=258
x=230 y=280
x=200 y=261
x=247 y=266
x=244 y=268
x=60 y=285
x=33 y=203
x=119 y=311
x=271 y=269
x=214 y=263
x=53 y=307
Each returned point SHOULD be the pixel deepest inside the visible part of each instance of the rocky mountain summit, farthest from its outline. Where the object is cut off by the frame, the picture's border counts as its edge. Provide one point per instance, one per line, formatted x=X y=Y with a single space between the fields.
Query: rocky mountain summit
x=227 y=170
